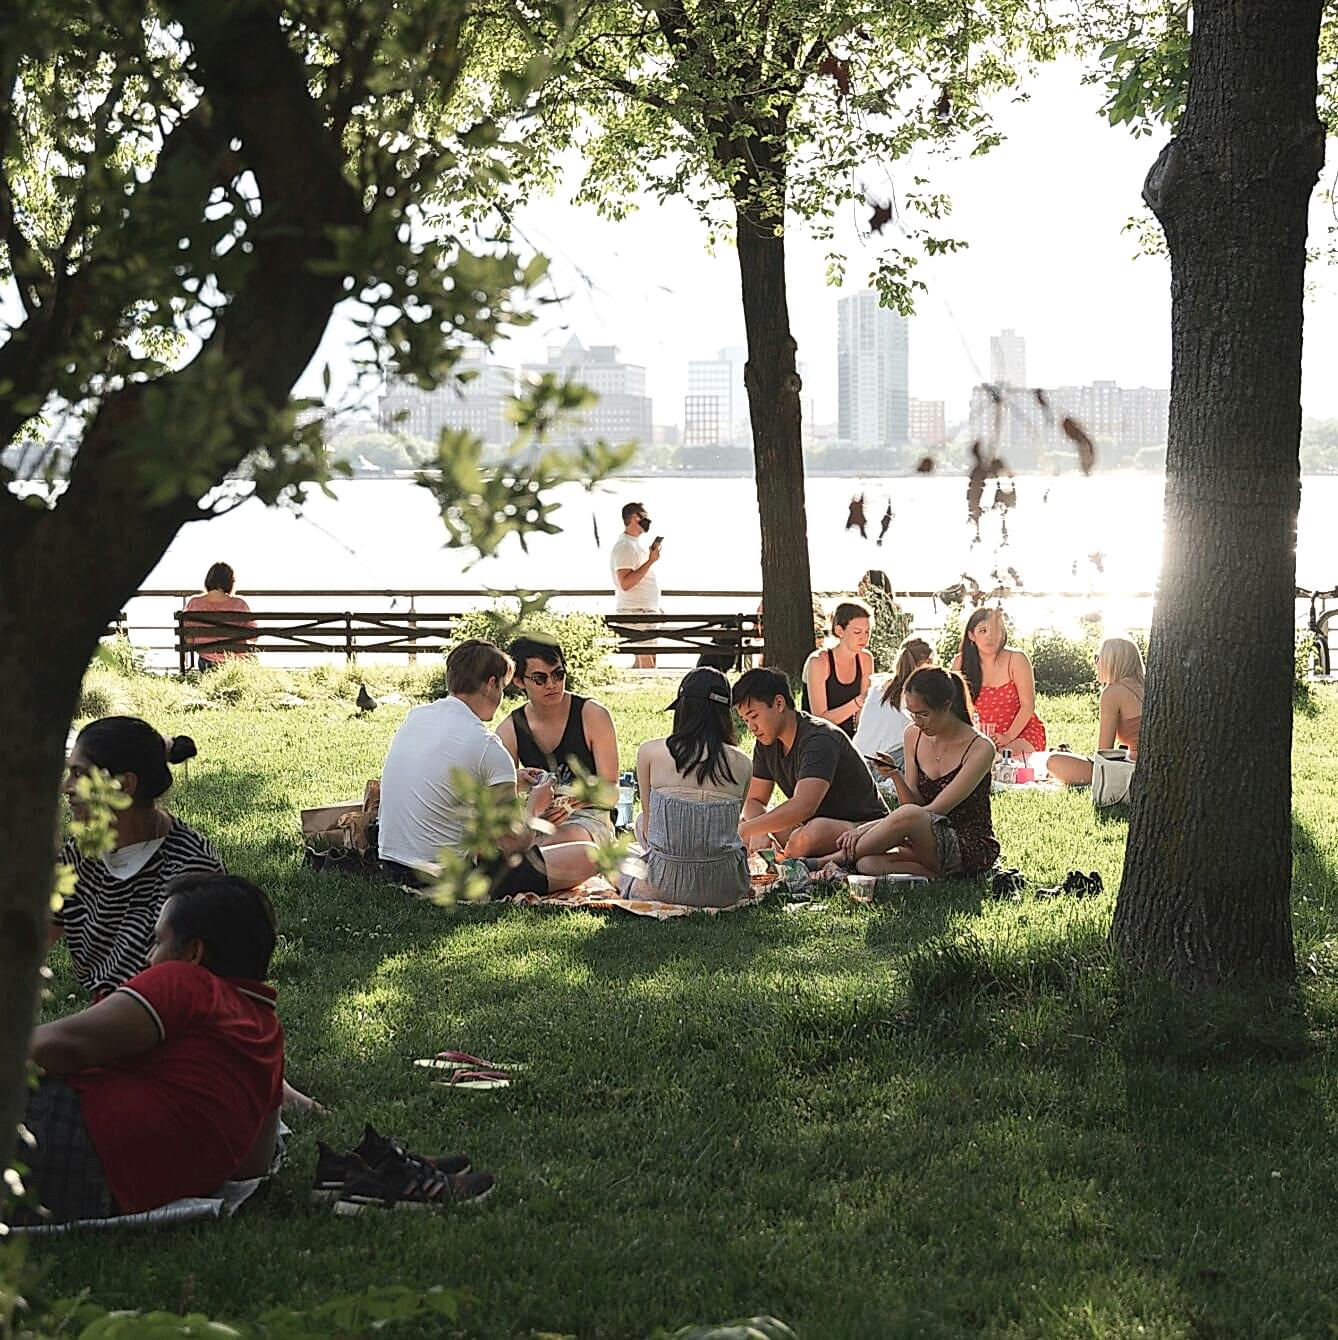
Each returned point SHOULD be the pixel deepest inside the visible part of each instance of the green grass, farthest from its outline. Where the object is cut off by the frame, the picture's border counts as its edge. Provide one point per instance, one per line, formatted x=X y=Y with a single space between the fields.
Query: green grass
x=924 y=1118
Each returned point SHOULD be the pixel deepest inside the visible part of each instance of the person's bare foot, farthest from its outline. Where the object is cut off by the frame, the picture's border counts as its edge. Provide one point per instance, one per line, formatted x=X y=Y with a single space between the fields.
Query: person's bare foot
x=297 y=1103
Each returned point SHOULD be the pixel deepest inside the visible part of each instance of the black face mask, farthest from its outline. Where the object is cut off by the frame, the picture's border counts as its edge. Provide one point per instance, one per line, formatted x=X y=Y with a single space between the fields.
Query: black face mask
x=645 y=523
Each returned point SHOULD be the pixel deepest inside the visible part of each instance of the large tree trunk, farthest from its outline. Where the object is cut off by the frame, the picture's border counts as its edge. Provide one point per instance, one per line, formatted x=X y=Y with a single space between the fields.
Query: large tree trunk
x=1206 y=891
x=40 y=674
x=778 y=452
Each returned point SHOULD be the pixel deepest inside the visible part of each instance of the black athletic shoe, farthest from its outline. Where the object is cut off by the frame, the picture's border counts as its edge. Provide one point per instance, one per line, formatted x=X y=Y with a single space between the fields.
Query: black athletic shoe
x=1007 y=882
x=409 y=1186
x=374 y=1151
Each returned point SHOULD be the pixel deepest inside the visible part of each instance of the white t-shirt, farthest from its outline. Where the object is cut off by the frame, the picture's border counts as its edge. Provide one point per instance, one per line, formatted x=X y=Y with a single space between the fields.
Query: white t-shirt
x=881 y=726
x=420 y=810
x=631 y=551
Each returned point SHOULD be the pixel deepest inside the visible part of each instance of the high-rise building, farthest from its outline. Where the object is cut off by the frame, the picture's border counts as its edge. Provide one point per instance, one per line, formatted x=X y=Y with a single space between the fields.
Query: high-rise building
x=1119 y=420
x=1008 y=359
x=702 y=425
x=623 y=411
x=719 y=381
x=1144 y=414
x=928 y=423
x=477 y=403
x=872 y=357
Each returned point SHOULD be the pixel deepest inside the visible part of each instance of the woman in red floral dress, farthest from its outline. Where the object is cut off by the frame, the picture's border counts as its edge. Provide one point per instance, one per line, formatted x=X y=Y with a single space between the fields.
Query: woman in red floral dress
x=1002 y=685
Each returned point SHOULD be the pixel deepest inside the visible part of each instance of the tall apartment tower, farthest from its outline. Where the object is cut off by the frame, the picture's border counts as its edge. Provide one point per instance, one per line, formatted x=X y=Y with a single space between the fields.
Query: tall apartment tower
x=872 y=368
x=1008 y=359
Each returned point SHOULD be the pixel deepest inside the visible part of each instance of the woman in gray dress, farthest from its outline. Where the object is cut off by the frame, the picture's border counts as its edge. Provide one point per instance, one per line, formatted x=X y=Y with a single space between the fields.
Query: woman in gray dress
x=692 y=787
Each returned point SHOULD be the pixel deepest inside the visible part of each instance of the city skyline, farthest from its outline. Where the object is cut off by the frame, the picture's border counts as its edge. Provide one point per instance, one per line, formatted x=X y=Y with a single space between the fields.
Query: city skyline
x=878 y=412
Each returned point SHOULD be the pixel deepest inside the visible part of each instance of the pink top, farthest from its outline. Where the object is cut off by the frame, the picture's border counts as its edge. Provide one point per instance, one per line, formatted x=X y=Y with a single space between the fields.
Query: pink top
x=201 y=635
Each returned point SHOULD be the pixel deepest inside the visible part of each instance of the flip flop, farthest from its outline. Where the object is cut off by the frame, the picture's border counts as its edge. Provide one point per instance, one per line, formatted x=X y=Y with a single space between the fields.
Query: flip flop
x=466 y=1061
x=475 y=1079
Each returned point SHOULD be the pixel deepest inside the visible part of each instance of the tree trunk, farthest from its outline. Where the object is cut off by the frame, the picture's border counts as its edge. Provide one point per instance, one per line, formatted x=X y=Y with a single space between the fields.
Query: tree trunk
x=1206 y=892
x=778 y=452
x=41 y=663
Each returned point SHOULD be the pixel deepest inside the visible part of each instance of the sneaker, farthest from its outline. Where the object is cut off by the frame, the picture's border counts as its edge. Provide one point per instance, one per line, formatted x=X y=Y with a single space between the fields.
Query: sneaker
x=374 y=1151
x=409 y=1186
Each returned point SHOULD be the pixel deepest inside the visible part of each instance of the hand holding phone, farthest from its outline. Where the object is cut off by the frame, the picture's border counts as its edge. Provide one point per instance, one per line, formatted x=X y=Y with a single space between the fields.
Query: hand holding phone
x=657 y=542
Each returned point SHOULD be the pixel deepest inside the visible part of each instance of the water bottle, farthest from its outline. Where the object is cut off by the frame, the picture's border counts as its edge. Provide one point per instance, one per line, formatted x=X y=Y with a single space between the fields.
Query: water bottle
x=626 y=797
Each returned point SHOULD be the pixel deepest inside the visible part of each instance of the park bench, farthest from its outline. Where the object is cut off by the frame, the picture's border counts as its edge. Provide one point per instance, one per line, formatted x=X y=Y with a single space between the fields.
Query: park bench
x=729 y=639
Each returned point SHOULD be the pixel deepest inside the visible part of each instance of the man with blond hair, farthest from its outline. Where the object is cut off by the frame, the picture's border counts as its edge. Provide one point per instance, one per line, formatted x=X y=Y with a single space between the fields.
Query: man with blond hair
x=439 y=748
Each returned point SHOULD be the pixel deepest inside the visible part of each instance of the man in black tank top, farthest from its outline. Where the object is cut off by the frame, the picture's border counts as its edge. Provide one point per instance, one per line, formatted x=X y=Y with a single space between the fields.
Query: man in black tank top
x=562 y=733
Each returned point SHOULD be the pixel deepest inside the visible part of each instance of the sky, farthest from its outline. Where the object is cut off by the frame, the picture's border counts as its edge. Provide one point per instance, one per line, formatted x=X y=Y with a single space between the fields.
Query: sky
x=1044 y=215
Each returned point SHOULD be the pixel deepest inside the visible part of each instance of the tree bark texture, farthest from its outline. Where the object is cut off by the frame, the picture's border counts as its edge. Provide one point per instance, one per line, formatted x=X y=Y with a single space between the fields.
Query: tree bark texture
x=772 y=381
x=64 y=573
x=1206 y=892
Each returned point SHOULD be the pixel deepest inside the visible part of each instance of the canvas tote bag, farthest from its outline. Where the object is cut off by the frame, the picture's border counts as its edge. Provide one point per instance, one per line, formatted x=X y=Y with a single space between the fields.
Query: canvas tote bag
x=1112 y=773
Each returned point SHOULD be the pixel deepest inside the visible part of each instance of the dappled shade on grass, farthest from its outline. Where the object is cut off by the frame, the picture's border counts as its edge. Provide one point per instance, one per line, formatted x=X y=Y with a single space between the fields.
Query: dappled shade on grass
x=920 y=1118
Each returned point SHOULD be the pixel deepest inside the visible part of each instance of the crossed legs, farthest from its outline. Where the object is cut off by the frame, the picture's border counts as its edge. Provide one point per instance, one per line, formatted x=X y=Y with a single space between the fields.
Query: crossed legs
x=901 y=844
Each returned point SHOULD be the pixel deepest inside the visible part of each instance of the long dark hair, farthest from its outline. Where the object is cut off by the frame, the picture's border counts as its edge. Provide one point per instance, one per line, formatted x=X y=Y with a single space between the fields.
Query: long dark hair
x=703 y=726
x=912 y=654
x=971 y=670
x=126 y=744
x=938 y=688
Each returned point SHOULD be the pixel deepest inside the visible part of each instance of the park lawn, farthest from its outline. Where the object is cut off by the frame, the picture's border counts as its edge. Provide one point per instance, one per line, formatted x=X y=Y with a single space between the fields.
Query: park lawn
x=924 y=1118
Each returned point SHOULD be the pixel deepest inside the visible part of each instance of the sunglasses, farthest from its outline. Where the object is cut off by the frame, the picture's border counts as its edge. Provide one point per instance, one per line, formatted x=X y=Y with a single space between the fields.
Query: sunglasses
x=541 y=677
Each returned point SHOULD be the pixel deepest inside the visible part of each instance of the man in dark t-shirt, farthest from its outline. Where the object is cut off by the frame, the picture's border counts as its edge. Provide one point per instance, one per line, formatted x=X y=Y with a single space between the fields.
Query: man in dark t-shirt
x=826 y=785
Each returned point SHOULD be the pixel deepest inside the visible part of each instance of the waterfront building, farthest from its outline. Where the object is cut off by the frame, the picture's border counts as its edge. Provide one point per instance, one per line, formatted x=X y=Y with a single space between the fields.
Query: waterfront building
x=477 y=403
x=873 y=375
x=623 y=410
x=928 y=423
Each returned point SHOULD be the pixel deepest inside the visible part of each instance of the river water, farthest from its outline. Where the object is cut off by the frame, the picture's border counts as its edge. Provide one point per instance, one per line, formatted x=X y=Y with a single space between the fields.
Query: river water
x=1086 y=535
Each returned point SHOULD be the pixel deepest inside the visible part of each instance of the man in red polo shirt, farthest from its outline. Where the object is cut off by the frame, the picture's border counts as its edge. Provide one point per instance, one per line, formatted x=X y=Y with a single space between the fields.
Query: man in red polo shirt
x=171 y=1085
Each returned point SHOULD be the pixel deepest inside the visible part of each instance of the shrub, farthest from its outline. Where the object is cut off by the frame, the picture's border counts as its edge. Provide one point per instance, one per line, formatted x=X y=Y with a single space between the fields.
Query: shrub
x=120 y=656
x=950 y=639
x=1061 y=664
x=891 y=627
x=584 y=638
x=100 y=695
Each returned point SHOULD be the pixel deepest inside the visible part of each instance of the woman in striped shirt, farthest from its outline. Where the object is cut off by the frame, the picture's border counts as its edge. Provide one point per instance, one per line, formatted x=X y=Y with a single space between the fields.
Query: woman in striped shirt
x=108 y=920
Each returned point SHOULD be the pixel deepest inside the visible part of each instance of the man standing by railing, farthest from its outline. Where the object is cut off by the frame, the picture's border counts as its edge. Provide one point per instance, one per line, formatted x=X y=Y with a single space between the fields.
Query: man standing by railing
x=636 y=588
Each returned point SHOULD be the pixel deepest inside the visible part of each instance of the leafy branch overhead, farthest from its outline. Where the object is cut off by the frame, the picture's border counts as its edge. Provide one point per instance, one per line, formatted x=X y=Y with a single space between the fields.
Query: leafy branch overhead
x=782 y=111
x=175 y=260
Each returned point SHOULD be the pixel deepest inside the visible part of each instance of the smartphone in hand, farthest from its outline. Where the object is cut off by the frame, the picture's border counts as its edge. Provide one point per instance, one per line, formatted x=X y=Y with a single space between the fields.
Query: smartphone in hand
x=657 y=542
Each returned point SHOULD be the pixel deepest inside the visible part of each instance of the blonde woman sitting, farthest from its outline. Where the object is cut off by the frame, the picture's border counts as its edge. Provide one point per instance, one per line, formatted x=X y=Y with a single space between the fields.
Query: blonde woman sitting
x=1119 y=670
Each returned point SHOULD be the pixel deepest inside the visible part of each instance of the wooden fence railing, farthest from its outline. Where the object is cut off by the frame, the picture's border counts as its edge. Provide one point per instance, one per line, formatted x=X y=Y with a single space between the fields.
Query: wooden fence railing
x=423 y=620
x=729 y=639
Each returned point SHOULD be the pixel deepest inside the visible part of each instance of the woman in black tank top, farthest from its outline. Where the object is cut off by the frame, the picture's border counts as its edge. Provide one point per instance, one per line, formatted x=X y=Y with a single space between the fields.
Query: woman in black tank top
x=826 y=694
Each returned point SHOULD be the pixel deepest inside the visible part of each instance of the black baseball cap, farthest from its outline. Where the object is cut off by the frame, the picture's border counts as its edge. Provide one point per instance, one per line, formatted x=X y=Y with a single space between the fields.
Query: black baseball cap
x=703 y=682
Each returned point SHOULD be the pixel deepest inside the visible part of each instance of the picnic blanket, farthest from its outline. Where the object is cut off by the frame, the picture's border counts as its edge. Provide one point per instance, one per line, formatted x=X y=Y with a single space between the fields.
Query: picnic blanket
x=598 y=895
x=222 y=1204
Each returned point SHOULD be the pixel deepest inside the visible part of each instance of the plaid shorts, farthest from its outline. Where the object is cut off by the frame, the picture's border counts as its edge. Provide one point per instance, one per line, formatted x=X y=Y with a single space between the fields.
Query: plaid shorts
x=64 y=1172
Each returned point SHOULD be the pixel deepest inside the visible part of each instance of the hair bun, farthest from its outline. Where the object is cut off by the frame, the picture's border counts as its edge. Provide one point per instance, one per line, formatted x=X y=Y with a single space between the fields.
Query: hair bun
x=180 y=748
